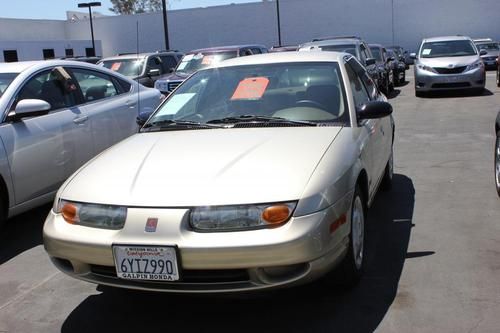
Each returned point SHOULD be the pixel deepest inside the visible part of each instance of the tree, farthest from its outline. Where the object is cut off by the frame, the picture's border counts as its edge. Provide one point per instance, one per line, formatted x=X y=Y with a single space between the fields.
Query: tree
x=135 y=6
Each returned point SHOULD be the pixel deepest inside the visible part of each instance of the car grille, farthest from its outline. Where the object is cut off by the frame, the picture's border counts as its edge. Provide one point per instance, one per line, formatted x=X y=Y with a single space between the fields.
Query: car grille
x=173 y=85
x=188 y=275
x=490 y=58
x=451 y=85
x=455 y=70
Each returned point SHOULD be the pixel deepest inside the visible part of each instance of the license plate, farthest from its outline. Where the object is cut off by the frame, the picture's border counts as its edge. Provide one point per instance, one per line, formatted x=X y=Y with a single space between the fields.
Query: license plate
x=152 y=263
x=452 y=78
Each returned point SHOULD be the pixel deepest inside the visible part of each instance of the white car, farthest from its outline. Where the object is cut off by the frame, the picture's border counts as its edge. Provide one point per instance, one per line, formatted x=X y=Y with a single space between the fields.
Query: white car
x=253 y=174
x=55 y=116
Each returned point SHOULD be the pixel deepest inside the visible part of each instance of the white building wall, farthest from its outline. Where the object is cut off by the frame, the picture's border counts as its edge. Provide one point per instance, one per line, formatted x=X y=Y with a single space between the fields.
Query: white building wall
x=301 y=20
x=33 y=50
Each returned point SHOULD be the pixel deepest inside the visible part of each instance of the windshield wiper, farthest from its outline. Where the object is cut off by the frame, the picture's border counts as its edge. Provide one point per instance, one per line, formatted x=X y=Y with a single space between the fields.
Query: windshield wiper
x=169 y=123
x=254 y=118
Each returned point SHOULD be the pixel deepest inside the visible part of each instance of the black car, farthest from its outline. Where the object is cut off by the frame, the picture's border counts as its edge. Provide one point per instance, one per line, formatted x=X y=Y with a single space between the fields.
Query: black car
x=385 y=67
x=497 y=154
x=201 y=58
x=398 y=67
x=403 y=55
x=353 y=45
x=146 y=68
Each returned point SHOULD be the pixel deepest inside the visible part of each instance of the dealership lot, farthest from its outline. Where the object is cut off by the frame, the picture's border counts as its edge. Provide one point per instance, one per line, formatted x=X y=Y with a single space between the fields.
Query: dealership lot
x=432 y=265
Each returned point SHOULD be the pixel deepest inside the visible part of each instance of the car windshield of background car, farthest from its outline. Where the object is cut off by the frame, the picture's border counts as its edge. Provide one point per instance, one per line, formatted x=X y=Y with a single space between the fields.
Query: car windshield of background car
x=376 y=53
x=452 y=48
x=489 y=47
x=5 y=80
x=351 y=49
x=127 y=67
x=294 y=91
x=191 y=63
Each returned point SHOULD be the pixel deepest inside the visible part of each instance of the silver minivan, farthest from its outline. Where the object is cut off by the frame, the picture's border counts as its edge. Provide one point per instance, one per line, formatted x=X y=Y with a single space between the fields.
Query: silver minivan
x=446 y=63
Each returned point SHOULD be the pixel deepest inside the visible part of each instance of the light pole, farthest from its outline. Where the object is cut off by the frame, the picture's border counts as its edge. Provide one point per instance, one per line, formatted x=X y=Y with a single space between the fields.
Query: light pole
x=279 y=22
x=165 y=24
x=89 y=5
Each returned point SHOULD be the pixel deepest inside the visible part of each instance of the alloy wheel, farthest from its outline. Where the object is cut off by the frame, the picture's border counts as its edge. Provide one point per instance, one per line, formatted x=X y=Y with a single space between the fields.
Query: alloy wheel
x=497 y=163
x=358 y=232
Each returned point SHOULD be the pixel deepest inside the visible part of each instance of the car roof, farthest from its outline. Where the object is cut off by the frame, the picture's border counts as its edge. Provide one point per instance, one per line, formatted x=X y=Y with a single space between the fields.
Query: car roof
x=17 y=67
x=284 y=57
x=336 y=41
x=139 y=55
x=376 y=45
x=225 y=48
x=445 y=38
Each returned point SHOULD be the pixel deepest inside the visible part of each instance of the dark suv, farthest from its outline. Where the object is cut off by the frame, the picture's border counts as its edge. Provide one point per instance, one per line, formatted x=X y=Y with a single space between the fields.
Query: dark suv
x=385 y=67
x=146 y=68
x=348 y=44
x=201 y=58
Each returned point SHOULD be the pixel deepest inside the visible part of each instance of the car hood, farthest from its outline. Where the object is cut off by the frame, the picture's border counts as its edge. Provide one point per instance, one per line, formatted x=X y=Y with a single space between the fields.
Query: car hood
x=445 y=62
x=491 y=54
x=203 y=167
x=173 y=77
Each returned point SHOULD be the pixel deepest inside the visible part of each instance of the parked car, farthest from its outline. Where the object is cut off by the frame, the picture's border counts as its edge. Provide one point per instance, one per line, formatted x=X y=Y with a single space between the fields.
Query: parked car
x=385 y=67
x=145 y=68
x=445 y=63
x=492 y=51
x=202 y=58
x=57 y=115
x=497 y=154
x=284 y=48
x=222 y=190
x=403 y=54
x=398 y=67
x=90 y=60
x=498 y=71
x=352 y=45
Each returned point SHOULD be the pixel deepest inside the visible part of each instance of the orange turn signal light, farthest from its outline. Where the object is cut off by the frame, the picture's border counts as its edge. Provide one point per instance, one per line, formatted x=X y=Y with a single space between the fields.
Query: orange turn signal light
x=70 y=213
x=338 y=222
x=276 y=214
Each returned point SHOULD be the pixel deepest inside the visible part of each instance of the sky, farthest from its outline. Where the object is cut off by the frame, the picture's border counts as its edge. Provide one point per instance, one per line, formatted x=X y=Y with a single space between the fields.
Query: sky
x=56 y=9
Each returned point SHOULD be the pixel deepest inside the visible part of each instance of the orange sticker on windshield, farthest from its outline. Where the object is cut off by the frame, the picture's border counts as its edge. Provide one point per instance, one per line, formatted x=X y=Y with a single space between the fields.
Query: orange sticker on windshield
x=116 y=66
x=208 y=60
x=251 y=88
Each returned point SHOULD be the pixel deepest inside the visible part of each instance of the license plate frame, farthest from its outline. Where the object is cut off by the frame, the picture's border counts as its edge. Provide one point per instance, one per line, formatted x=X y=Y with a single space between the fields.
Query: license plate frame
x=146 y=270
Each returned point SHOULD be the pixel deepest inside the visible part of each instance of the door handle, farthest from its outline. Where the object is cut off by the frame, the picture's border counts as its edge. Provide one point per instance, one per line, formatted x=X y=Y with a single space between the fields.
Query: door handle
x=80 y=120
x=131 y=103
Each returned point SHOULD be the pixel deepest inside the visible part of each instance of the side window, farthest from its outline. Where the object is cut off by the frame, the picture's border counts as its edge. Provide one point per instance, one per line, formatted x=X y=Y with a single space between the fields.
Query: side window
x=168 y=63
x=245 y=52
x=359 y=92
x=94 y=85
x=368 y=82
x=362 y=53
x=256 y=50
x=154 y=63
x=48 y=86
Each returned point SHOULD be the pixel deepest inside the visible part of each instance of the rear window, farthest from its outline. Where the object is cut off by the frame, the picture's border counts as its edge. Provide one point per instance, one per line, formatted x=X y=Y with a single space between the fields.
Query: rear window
x=127 y=67
x=193 y=62
x=351 y=49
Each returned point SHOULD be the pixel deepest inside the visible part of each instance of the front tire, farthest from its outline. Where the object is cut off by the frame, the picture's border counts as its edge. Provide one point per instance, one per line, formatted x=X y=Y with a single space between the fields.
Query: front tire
x=498 y=76
x=352 y=267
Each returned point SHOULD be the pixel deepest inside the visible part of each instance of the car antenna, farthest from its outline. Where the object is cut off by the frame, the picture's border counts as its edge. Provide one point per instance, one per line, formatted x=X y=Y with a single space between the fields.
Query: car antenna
x=137 y=78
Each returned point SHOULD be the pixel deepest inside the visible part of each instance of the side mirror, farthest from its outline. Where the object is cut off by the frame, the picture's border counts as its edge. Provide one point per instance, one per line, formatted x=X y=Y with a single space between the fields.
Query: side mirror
x=171 y=70
x=374 y=110
x=413 y=56
x=143 y=117
x=483 y=52
x=370 y=61
x=29 y=108
x=154 y=72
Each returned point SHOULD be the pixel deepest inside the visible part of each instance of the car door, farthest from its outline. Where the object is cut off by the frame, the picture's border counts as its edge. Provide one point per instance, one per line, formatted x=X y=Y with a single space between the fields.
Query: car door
x=110 y=106
x=44 y=150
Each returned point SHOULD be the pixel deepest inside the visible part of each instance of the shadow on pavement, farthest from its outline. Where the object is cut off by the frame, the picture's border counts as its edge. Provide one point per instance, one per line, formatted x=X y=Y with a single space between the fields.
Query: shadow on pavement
x=393 y=94
x=22 y=233
x=457 y=93
x=311 y=308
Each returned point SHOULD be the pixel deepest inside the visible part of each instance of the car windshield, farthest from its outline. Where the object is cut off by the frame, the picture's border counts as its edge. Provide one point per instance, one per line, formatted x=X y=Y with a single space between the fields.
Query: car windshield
x=191 y=63
x=267 y=94
x=350 y=48
x=127 y=67
x=451 y=48
x=376 y=53
x=489 y=47
x=390 y=53
x=5 y=80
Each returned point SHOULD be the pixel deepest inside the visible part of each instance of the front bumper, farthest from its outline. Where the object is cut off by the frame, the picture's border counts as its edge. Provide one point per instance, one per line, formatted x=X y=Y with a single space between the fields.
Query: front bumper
x=298 y=252
x=429 y=81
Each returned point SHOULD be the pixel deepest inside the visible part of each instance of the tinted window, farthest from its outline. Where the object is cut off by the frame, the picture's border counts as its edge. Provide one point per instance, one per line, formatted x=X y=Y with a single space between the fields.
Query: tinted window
x=376 y=53
x=168 y=62
x=94 y=85
x=311 y=91
x=154 y=63
x=451 y=48
x=256 y=50
x=359 y=92
x=127 y=67
x=49 y=87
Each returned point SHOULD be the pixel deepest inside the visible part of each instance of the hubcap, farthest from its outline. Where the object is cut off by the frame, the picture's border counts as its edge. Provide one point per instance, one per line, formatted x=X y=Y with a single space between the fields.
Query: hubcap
x=358 y=231
x=497 y=163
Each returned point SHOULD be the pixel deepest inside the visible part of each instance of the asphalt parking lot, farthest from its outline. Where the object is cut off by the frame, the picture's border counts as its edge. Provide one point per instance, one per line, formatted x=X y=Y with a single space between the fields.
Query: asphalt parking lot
x=433 y=251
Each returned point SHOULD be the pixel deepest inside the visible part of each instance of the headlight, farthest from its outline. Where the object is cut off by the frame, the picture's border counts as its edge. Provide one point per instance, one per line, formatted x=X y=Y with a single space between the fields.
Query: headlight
x=426 y=68
x=234 y=218
x=474 y=65
x=92 y=215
